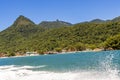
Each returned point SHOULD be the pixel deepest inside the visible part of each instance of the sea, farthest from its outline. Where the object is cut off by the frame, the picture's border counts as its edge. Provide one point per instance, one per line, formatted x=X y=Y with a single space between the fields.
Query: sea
x=104 y=65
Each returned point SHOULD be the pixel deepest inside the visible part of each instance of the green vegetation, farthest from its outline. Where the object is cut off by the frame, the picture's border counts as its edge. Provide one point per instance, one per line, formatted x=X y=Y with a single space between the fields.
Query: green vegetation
x=54 y=24
x=25 y=36
x=113 y=42
x=58 y=49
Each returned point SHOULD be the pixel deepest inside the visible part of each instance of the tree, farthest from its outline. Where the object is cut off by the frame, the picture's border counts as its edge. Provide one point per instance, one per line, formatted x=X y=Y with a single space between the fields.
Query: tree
x=70 y=48
x=58 y=49
x=113 y=42
x=10 y=54
x=79 y=46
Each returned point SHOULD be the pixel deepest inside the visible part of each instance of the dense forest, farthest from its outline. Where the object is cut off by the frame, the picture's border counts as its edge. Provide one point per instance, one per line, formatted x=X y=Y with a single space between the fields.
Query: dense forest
x=26 y=36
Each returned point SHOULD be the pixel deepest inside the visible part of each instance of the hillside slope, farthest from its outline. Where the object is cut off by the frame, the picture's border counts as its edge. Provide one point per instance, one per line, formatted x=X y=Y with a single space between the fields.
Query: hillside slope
x=24 y=35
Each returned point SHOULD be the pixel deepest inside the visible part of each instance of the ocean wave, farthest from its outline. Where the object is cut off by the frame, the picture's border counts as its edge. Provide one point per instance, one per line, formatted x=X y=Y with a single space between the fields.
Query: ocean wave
x=22 y=73
x=106 y=68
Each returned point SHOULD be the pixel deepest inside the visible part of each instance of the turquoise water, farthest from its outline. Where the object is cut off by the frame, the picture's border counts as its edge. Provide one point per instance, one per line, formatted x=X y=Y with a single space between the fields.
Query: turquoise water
x=103 y=65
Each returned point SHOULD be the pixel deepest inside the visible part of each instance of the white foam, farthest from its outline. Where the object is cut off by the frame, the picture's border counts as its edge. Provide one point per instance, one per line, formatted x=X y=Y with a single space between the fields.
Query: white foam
x=108 y=72
x=22 y=73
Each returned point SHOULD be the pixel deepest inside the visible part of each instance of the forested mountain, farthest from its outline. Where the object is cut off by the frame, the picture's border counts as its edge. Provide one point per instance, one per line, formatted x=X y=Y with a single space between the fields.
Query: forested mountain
x=21 y=20
x=117 y=19
x=24 y=35
x=54 y=24
x=97 y=21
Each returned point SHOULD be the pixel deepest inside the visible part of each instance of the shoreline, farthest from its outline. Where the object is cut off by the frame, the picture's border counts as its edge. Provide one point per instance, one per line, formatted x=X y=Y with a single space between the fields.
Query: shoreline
x=68 y=52
x=54 y=52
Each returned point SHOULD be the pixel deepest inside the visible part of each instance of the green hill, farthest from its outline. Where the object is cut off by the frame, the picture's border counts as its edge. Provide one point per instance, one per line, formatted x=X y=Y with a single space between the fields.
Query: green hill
x=97 y=21
x=54 y=24
x=24 y=35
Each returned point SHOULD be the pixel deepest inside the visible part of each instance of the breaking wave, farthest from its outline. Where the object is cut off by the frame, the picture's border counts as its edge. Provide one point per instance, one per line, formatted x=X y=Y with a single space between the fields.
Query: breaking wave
x=106 y=71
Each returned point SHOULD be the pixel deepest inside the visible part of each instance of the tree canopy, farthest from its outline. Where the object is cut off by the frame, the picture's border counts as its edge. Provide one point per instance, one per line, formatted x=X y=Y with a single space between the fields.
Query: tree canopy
x=24 y=35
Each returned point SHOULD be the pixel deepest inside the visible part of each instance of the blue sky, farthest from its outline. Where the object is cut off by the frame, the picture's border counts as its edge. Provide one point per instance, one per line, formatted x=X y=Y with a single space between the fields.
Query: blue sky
x=73 y=11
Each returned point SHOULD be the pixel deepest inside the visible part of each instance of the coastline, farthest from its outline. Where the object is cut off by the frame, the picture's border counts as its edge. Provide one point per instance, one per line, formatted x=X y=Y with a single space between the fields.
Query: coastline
x=52 y=53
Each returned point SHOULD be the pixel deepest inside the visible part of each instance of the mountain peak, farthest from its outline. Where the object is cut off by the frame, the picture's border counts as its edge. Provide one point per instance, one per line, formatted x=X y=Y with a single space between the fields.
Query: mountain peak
x=54 y=24
x=22 y=20
x=117 y=19
x=97 y=21
x=21 y=16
